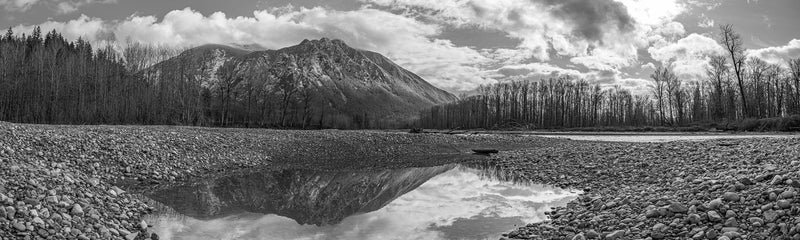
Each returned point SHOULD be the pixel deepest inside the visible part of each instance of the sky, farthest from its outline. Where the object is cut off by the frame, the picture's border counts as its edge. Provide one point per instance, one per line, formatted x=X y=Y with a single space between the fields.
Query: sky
x=457 y=45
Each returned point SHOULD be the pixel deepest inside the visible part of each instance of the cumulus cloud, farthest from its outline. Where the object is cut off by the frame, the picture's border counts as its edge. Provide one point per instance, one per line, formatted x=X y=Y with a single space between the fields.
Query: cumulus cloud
x=688 y=56
x=407 y=41
x=779 y=54
x=532 y=71
x=599 y=35
x=88 y=28
x=61 y=6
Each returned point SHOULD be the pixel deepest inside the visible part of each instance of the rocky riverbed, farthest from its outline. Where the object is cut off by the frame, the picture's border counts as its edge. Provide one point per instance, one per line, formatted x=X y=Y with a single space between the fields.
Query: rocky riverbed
x=718 y=189
x=81 y=182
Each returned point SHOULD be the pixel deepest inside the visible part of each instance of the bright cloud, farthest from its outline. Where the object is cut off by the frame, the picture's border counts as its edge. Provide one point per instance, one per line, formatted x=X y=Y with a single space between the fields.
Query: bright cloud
x=688 y=56
x=779 y=54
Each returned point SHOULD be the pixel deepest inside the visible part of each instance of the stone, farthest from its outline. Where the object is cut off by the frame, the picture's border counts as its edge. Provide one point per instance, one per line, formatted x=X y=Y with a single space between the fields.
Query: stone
x=143 y=225
x=714 y=204
x=619 y=234
x=730 y=196
x=591 y=234
x=51 y=199
x=132 y=236
x=723 y=238
x=788 y=194
x=117 y=190
x=770 y=216
x=77 y=210
x=756 y=221
x=694 y=218
x=731 y=222
x=784 y=204
x=730 y=214
x=714 y=216
x=20 y=226
x=579 y=236
x=94 y=181
x=660 y=227
x=712 y=234
x=677 y=207
x=652 y=213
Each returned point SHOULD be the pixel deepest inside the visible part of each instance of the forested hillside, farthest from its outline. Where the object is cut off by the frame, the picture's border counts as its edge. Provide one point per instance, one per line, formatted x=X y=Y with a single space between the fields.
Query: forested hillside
x=736 y=88
x=317 y=84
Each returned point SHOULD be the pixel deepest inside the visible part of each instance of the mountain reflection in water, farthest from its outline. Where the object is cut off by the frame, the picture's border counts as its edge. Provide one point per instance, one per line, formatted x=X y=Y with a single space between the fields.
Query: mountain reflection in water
x=444 y=202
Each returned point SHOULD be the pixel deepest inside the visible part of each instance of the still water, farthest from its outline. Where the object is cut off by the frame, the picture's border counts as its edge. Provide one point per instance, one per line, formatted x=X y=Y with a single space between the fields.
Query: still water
x=444 y=202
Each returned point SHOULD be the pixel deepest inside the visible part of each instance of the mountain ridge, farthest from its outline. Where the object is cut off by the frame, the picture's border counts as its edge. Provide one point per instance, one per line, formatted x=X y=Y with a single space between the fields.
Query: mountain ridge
x=301 y=84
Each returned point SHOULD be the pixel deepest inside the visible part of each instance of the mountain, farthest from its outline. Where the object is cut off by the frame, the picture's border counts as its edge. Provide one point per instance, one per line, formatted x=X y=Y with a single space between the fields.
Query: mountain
x=308 y=197
x=318 y=82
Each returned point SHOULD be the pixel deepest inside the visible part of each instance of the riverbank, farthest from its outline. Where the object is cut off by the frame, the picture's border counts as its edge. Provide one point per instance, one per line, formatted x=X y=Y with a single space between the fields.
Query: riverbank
x=717 y=189
x=80 y=182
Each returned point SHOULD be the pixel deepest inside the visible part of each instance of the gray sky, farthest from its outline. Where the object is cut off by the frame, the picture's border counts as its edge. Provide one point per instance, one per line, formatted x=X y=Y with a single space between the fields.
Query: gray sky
x=455 y=44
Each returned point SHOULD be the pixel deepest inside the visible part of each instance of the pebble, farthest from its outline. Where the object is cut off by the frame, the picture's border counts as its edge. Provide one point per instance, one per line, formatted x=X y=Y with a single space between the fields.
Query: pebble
x=77 y=210
x=714 y=216
x=730 y=196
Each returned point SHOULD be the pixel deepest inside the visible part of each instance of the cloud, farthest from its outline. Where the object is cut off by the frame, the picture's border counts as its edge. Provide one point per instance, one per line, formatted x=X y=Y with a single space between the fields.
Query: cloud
x=532 y=71
x=688 y=56
x=779 y=54
x=90 y=29
x=705 y=22
x=407 y=41
x=61 y=6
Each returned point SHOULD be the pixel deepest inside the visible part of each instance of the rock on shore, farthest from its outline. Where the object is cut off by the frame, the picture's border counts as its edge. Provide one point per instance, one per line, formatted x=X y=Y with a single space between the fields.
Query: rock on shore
x=677 y=190
x=81 y=182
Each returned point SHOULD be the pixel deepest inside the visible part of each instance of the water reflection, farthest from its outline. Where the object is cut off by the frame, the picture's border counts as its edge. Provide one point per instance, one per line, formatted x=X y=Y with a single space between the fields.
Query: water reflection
x=445 y=202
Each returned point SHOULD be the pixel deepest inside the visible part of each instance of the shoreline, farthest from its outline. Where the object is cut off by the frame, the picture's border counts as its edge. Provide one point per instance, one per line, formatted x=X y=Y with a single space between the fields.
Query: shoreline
x=102 y=168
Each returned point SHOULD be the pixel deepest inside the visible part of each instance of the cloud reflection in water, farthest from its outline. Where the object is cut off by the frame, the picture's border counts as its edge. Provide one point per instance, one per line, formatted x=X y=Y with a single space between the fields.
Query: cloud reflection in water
x=462 y=203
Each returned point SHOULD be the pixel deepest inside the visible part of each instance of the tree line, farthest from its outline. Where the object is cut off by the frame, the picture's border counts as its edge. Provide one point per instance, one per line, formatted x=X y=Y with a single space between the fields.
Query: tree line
x=48 y=79
x=736 y=88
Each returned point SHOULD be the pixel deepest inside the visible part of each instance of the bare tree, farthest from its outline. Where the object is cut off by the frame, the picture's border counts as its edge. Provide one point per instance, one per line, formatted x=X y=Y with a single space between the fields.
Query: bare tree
x=732 y=42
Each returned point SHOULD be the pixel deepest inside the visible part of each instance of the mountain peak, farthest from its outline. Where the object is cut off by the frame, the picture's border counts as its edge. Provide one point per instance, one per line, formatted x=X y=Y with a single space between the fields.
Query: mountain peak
x=323 y=42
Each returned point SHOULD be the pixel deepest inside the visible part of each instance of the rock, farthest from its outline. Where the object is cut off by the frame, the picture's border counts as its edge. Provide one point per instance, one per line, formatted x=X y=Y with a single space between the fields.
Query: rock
x=677 y=207
x=660 y=227
x=714 y=216
x=778 y=179
x=94 y=181
x=714 y=204
x=756 y=221
x=38 y=220
x=788 y=194
x=132 y=236
x=694 y=218
x=784 y=204
x=77 y=210
x=579 y=236
x=730 y=214
x=730 y=196
x=731 y=222
x=117 y=190
x=746 y=181
x=591 y=234
x=19 y=226
x=619 y=234
x=723 y=238
x=712 y=234
x=770 y=216
x=143 y=225
x=652 y=213
x=51 y=199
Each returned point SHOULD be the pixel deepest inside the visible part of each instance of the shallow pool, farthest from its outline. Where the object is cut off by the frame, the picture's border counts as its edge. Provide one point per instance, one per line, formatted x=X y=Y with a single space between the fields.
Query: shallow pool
x=444 y=202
